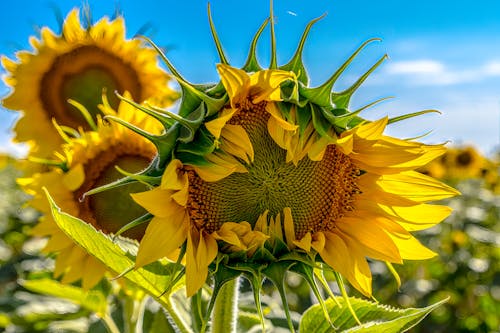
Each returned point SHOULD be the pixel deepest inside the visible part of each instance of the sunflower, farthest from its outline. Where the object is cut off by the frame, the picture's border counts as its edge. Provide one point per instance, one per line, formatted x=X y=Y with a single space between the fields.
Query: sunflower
x=261 y=170
x=87 y=162
x=460 y=162
x=78 y=64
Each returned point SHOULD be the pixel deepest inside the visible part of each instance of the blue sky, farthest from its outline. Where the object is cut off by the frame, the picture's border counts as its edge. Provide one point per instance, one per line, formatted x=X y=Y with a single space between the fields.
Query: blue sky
x=443 y=55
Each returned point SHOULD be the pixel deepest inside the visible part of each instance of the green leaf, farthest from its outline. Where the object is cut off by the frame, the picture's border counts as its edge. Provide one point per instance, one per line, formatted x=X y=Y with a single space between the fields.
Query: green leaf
x=92 y=300
x=374 y=317
x=153 y=278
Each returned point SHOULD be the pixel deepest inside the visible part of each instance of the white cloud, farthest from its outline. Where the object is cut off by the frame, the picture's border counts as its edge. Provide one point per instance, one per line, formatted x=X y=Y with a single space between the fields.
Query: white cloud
x=415 y=67
x=433 y=72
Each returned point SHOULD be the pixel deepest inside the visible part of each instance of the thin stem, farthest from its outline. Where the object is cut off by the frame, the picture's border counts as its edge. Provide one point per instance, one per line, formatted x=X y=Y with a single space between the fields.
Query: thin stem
x=172 y=312
x=140 y=315
x=225 y=309
x=110 y=324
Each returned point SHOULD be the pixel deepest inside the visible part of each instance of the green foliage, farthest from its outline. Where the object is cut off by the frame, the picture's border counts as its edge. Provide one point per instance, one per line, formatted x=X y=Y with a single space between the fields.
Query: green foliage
x=92 y=300
x=374 y=317
x=154 y=278
x=467 y=268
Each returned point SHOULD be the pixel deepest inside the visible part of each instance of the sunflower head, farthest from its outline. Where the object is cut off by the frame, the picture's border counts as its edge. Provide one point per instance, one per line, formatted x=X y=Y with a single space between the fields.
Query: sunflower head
x=94 y=158
x=260 y=174
x=80 y=64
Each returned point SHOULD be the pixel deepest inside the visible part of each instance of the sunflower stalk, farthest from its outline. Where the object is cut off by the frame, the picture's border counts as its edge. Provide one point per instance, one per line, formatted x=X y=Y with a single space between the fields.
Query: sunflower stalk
x=225 y=310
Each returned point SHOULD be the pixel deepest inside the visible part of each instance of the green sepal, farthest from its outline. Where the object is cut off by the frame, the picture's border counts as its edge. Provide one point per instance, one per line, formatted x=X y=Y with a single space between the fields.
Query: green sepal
x=132 y=224
x=151 y=175
x=276 y=273
x=217 y=42
x=202 y=144
x=164 y=118
x=274 y=63
x=296 y=64
x=192 y=159
x=307 y=272
x=303 y=118
x=222 y=275
x=70 y=131
x=264 y=254
x=84 y=112
x=342 y=99
x=252 y=64
x=164 y=143
x=141 y=178
x=321 y=124
x=63 y=165
x=196 y=118
x=322 y=95
x=191 y=97
x=342 y=122
x=410 y=115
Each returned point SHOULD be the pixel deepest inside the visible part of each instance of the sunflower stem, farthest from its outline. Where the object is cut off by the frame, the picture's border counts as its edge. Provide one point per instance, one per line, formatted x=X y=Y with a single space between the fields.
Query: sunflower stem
x=110 y=324
x=225 y=310
x=179 y=322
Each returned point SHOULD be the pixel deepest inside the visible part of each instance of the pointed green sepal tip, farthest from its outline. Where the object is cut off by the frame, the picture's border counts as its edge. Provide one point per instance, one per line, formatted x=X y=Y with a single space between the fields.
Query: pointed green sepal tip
x=411 y=115
x=307 y=272
x=276 y=272
x=252 y=64
x=220 y=51
x=132 y=224
x=84 y=112
x=342 y=99
x=296 y=64
x=323 y=96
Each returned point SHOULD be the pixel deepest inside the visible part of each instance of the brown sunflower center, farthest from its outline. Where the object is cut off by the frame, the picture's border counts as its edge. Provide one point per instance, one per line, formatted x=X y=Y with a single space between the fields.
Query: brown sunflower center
x=81 y=75
x=318 y=193
x=464 y=159
x=112 y=209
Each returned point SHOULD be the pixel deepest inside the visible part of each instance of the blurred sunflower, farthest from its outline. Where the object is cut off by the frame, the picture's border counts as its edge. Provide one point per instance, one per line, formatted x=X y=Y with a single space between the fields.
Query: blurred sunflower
x=461 y=162
x=264 y=170
x=87 y=162
x=78 y=65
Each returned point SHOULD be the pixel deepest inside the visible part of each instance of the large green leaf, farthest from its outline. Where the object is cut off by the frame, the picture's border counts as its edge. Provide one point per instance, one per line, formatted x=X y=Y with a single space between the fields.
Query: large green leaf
x=153 y=278
x=92 y=300
x=374 y=317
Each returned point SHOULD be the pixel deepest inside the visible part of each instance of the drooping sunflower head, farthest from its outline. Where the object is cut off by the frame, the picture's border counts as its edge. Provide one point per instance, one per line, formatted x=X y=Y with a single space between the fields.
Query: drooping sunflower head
x=78 y=65
x=263 y=174
x=91 y=160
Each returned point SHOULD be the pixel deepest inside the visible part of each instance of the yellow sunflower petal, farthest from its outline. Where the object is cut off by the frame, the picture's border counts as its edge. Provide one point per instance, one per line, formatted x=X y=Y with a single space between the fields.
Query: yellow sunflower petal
x=200 y=252
x=265 y=85
x=410 y=248
x=74 y=178
x=273 y=110
x=348 y=261
x=305 y=243
x=162 y=237
x=372 y=130
x=416 y=186
x=236 y=82
x=235 y=141
x=157 y=201
x=375 y=241
x=216 y=125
